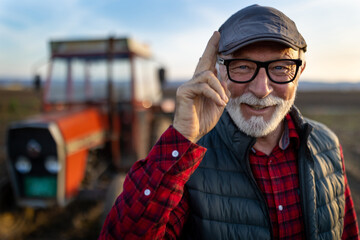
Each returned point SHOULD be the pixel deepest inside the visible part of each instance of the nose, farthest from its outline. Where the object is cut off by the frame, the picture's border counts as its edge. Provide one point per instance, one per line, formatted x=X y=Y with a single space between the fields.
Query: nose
x=261 y=85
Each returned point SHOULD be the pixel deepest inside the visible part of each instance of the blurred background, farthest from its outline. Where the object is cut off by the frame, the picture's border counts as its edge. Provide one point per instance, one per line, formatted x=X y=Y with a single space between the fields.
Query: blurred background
x=176 y=32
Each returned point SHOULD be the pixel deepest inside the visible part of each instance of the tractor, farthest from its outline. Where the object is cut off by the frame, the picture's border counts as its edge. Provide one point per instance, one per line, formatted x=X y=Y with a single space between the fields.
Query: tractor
x=101 y=102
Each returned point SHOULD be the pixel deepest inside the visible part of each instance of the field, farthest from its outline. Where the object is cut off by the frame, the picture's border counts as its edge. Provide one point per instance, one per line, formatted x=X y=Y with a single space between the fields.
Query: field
x=338 y=110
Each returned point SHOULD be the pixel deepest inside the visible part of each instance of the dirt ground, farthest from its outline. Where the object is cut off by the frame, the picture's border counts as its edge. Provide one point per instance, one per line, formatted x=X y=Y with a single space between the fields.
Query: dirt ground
x=82 y=218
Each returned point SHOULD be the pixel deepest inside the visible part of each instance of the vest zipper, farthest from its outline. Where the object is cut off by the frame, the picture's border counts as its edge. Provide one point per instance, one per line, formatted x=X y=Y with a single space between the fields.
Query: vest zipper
x=302 y=155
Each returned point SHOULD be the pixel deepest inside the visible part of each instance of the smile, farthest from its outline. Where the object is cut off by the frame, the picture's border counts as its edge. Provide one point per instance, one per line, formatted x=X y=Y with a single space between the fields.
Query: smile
x=258 y=107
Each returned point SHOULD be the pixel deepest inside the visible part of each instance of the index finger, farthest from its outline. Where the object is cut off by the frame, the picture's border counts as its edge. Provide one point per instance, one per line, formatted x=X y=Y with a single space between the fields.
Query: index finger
x=208 y=59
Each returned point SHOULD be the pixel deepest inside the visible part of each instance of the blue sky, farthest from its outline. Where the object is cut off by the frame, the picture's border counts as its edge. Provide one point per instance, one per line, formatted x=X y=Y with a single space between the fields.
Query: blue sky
x=176 y=30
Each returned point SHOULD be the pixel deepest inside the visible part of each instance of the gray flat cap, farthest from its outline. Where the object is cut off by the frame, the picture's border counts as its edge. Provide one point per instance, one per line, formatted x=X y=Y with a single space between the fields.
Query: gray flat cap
x=257 y=23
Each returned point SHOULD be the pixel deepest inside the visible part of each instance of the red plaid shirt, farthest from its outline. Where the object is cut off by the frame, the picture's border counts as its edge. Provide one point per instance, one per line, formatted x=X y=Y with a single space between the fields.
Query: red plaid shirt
x=277 y=177
x=154 y=203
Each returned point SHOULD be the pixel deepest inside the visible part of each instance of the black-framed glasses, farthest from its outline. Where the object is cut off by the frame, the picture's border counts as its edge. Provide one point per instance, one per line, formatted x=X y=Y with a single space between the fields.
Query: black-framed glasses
x=244 y=70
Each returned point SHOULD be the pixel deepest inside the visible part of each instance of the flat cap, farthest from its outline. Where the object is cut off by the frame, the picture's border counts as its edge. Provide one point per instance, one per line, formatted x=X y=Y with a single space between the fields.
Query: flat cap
x=258 y=23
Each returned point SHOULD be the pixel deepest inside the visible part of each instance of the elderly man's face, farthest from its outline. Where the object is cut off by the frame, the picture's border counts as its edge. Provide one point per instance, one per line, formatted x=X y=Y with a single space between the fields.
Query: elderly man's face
x=259 y=106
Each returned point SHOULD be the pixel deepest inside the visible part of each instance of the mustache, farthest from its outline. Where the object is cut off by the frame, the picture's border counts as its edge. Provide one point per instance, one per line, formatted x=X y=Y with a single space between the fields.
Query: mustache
x=251 y=99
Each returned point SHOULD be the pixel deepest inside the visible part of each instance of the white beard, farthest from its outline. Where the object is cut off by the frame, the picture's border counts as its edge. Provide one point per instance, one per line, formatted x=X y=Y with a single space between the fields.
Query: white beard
x=256 y=126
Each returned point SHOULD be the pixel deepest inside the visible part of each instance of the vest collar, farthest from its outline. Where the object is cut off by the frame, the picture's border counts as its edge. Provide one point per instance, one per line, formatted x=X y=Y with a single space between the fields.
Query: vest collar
x=232 y=136
x=302 y=126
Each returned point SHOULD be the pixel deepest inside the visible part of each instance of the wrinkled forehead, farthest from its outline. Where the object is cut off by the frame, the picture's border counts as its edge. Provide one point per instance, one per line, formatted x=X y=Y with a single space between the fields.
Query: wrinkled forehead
x=266 y=47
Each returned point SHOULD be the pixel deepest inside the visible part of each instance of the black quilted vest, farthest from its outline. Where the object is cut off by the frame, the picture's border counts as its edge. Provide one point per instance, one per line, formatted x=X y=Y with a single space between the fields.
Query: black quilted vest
x=226 y=202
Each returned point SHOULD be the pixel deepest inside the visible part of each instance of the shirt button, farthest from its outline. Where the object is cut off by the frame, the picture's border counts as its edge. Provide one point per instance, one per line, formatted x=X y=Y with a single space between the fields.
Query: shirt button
x=281 y=207
x=147 y=192
x=175 y=153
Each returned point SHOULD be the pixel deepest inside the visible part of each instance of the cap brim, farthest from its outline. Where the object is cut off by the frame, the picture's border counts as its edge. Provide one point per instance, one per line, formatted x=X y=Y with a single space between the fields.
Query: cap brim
x=264 y=39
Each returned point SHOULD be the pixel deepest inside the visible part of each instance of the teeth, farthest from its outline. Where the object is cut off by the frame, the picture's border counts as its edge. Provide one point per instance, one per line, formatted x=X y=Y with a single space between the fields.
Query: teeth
x=258 y=107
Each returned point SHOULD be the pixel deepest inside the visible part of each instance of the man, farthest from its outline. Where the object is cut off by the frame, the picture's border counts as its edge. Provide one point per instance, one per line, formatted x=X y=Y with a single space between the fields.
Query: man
x=254 y=169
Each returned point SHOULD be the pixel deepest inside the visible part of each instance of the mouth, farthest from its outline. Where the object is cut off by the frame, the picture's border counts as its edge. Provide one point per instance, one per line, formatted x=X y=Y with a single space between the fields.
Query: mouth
x=258 y=107
x=257 y=110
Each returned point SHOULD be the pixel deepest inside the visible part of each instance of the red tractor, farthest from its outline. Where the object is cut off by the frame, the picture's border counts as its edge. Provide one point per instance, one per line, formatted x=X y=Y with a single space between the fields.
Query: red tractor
x=100 y=104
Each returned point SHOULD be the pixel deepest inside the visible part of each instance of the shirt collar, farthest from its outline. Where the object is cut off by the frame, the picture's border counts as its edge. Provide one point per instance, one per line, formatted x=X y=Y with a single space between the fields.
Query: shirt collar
x=289 y=135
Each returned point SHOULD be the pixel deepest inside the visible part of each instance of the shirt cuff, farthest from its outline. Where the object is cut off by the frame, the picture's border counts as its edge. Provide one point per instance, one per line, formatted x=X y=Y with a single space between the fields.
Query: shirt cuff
x=172 y=147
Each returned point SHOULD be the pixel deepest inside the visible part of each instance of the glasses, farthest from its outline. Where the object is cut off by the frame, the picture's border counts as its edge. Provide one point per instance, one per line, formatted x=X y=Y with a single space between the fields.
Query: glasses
x=244 y=70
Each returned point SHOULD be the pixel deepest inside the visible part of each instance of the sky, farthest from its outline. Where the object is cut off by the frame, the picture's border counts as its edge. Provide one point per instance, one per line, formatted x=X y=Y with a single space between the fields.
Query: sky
x=176 y=30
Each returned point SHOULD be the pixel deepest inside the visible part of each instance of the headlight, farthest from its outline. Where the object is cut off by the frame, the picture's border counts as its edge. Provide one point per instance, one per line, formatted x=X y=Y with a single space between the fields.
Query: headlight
x=52 y=165
x=23 y=165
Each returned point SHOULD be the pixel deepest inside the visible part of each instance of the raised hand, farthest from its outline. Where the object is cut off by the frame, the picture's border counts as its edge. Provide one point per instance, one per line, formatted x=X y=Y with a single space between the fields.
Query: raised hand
x=201 y=101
